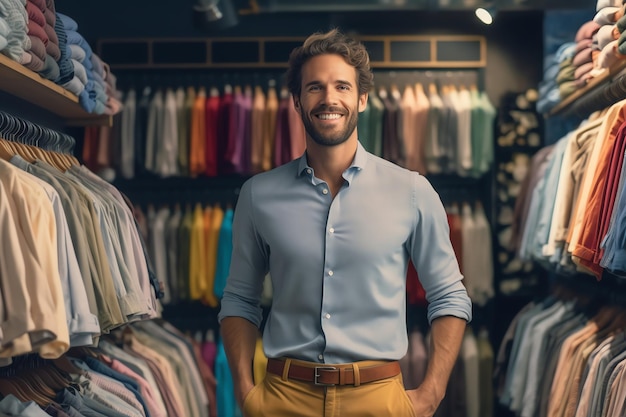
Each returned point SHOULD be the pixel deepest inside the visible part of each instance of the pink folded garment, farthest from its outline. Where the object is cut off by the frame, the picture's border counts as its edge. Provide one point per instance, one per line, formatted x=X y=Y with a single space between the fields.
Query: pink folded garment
x=41 y=4
x=587 y=30
x=51 y=18
x=582 y=57
x=35 y=14
x=36 y=64
x=582 y=44
x=52 y=48
x=34 y=30
x=583 y=71
x=37 y=47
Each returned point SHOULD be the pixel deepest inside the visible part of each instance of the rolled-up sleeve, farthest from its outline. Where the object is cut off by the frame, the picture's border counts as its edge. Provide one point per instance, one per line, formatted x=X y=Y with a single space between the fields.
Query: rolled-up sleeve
x=249 y=263
x=433 y=256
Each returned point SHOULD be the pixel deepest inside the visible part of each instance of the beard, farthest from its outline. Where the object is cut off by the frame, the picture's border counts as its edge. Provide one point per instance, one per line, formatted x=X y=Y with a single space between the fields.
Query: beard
x=331 y=136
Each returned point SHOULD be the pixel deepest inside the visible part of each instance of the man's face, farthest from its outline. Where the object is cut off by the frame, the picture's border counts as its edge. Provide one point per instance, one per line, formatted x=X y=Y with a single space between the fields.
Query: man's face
x=329 y=101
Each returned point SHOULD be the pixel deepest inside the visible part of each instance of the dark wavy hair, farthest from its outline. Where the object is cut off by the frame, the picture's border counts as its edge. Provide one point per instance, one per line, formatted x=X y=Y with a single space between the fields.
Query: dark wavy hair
x=332 y=42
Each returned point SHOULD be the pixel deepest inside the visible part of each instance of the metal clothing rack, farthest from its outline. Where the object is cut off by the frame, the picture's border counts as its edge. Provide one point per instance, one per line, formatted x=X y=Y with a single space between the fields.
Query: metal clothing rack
x=16 y=129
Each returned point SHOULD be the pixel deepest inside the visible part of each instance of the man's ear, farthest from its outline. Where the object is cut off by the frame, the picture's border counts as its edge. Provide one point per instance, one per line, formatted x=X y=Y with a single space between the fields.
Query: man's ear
x=363 y=102
x=296 y=102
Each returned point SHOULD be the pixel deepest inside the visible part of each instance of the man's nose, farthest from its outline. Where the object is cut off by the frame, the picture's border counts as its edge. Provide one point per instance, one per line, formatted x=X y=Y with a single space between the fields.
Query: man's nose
x=329 y=97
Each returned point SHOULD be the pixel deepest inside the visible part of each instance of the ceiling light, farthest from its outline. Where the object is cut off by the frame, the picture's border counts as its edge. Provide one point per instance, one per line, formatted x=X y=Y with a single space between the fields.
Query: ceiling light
x=485 y=15
x=214 y=14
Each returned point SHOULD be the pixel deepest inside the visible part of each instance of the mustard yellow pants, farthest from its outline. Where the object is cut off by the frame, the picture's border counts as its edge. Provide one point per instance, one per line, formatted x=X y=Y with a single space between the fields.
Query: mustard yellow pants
x=276 y=396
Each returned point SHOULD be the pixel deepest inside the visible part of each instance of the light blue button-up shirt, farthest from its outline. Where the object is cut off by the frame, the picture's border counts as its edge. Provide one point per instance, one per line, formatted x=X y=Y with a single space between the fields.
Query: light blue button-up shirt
x=338 y=266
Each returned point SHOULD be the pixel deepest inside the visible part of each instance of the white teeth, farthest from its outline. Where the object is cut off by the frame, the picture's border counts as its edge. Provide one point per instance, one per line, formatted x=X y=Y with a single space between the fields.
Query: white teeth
x=329 y=116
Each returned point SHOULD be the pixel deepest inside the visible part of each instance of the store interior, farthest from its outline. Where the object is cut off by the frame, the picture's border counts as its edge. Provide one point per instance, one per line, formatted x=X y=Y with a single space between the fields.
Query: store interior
x=532 y=283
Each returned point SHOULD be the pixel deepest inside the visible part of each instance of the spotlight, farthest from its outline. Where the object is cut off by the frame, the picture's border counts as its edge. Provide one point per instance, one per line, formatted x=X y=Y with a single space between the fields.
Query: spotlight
x=214 y=14
x=485 y=15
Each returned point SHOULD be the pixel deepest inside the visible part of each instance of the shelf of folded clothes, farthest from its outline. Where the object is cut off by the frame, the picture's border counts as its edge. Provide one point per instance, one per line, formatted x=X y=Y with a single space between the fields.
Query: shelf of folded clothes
x=29 y=86
x=581 y=76
x=607 y=75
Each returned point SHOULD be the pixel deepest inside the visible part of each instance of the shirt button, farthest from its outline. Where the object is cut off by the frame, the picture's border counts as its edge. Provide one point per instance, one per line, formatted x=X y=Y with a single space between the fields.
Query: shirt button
x=320 y=357
x=331 y=230
x=325 y=191
x=330 y=273
x=308 y=171
x=327 y=315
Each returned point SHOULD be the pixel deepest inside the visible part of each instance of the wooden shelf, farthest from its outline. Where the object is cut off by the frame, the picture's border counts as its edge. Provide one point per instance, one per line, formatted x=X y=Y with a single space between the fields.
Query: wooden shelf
x=595 y=82
x=29 y=86
x=419 y=51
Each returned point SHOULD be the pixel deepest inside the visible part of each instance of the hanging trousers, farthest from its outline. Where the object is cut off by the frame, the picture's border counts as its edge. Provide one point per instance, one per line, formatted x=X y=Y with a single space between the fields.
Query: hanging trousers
x=280 y=395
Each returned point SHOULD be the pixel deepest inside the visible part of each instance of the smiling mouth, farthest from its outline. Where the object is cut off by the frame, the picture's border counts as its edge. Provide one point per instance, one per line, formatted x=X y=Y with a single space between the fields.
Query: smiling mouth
x=327 y=116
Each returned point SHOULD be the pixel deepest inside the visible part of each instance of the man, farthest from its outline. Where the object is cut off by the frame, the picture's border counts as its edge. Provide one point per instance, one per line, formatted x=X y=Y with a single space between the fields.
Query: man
x=336 y=229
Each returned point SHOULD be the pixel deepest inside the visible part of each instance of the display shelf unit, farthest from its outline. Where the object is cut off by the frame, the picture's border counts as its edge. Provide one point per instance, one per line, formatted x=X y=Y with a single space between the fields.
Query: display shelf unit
x=402 y=52
x=22 y=83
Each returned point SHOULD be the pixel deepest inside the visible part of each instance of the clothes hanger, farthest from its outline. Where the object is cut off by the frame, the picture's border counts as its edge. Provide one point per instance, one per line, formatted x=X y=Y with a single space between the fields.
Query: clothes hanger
x=39 y=145
x=56 y=159
x=53 y=377
x=65 y=150
x=19 y=133
x=19 y=387
x=40 y=150
x=69 y=150
x=34 y=381
x=6 y=152
x=8 y=125
x=8 y=387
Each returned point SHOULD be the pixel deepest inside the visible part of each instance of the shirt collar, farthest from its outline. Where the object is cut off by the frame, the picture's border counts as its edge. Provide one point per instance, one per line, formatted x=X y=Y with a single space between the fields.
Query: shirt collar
x=358 y=163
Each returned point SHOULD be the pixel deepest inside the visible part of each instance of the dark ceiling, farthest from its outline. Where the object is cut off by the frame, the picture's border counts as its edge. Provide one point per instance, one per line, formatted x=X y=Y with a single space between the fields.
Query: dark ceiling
x=275 y=6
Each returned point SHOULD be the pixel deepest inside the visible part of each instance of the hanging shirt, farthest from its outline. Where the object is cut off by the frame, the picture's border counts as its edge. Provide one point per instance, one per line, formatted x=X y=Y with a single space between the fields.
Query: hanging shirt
x=166 y=164
x=224 y=130
x=224 y=253
x=256 y=131
x=434 y=143
x=182 y=131
x=197 y=145
x=82 y=324
x=184 y=128
x=34 y=214
x=377 y=111
x=197 y=256
x=282 y=143
x=127 y=139
x=215 y=224
x=269 y=128
x=417 y=161
x=154 y=131
x=212 y=138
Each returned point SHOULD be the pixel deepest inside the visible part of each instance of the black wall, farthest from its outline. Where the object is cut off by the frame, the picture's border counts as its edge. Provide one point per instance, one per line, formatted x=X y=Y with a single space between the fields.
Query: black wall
x=514 y=41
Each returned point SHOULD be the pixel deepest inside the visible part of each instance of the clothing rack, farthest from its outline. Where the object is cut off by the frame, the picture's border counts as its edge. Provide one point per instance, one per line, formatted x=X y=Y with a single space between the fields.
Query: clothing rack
x=16 y=129
x=165 y=78
x=439 y=77
x=611 y=290
x=182 y=190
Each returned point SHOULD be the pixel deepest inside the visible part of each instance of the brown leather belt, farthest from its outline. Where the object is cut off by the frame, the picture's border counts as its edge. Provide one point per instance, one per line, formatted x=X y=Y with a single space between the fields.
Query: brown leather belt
x=329 y=375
